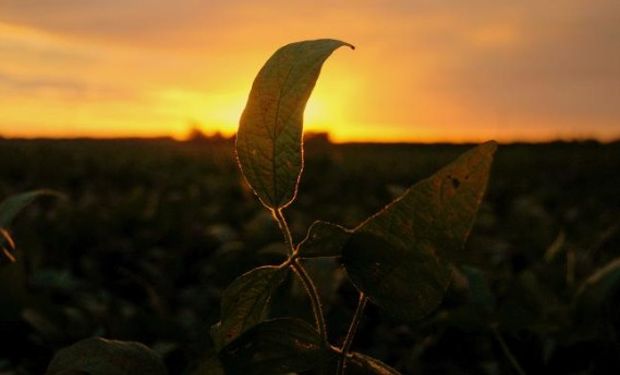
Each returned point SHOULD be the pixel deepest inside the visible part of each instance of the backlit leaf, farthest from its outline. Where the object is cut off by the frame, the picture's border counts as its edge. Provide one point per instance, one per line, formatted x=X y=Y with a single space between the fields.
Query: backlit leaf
x=98 y=356
x=11 y=206
x=324 y=240
x=269 y=140
x=360 y=364
x=245 y=301
x=276 y=346
x=398 y=257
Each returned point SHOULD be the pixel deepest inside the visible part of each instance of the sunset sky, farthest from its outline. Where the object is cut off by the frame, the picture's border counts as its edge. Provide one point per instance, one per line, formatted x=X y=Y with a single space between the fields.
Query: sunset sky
x=424 y=70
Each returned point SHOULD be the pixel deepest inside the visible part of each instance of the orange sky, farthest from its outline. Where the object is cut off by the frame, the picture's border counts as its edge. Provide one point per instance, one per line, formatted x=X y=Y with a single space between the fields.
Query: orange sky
x=422 y=71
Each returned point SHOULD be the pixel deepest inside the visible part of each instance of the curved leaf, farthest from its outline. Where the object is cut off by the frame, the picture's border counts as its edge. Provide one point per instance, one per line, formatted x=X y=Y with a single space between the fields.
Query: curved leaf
x=398 y=257
x=597 y=289
x=245 y=301
x=360 y=364
x=276 y=346
x=98 y=356
x=11 y=206
x=324 y=240
x=269 y=140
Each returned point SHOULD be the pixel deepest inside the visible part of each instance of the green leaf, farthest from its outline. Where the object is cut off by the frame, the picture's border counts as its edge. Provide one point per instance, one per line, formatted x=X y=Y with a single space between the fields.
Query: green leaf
x=98 y=356
x=597 y=289
x=276 y=346
x=398 y=257
x=245 y=301
x=360 y=364
x=269 y=140
x=324 y=240
x=11 y=206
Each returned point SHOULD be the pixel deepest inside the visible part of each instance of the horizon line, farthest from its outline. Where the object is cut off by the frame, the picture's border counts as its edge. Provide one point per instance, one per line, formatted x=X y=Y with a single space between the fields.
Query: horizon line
x=310 y=140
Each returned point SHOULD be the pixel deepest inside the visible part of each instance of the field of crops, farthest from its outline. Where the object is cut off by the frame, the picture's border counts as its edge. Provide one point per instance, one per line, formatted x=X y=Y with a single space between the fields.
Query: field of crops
x=149 y=233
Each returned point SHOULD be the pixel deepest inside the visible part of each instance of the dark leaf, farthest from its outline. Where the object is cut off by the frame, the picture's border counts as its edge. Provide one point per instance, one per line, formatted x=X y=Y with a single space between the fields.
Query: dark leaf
x=276 y=346
x=98 y=356
x=360 y=364
x=324 y=240
x=398 y=257
x=245 y=301
x=11 y=206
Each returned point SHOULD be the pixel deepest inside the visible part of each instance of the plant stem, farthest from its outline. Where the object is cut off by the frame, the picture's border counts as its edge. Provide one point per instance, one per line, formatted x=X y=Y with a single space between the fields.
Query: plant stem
x=314 y=298
x=305 y=279
x=348 y=340
x=279 y=216
x=511 y=358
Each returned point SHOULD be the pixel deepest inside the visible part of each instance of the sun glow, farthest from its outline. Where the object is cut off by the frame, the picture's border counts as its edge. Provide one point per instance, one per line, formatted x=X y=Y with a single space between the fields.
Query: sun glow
x=429 y=73
x=211 y=112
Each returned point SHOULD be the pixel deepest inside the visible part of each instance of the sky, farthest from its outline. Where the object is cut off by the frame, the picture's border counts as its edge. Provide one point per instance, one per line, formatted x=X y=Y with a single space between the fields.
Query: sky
x=422 y=70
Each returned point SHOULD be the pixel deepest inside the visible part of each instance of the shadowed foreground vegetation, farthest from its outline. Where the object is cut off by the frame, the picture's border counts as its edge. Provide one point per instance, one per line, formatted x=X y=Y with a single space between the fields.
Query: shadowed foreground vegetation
x=152 y=231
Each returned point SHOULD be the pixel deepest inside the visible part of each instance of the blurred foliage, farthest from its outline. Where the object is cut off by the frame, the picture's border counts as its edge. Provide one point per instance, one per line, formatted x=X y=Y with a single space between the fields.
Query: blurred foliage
x=151 y=233
x=97 y=356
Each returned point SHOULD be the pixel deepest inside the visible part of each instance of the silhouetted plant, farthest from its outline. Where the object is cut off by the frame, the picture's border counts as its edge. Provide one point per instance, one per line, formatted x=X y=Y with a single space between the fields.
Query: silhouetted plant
x=398 y=258
x=402 y=258
x=9 y=209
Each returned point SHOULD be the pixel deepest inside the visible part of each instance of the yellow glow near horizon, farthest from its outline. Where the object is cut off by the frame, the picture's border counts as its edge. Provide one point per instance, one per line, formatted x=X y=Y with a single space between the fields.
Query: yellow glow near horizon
x=420 y=72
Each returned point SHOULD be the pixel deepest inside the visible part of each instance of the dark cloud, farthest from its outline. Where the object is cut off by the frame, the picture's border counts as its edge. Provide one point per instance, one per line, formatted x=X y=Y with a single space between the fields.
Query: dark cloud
x=59 y=87
x=564 y=67
x=12 y=83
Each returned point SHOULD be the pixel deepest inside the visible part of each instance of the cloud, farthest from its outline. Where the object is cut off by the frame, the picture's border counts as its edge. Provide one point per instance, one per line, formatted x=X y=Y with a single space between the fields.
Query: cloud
x=29 y=85
x=563 y=67
x=60 y=88
x=429 y=64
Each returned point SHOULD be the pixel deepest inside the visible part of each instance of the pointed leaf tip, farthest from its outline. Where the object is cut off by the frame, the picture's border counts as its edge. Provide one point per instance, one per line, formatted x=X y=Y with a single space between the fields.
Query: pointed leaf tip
x=13 y=205
x=269 y=139
x=400 y=256
x=245 y=302
x=324 y=239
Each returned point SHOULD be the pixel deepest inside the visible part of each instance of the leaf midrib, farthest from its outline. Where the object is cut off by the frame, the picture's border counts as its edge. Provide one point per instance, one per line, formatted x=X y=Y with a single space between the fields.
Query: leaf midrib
x=275 y=137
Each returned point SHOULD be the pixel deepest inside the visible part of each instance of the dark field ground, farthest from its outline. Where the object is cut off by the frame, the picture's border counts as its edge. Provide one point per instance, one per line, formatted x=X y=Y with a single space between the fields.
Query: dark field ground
x=151 y=232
